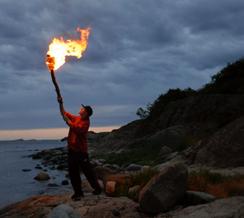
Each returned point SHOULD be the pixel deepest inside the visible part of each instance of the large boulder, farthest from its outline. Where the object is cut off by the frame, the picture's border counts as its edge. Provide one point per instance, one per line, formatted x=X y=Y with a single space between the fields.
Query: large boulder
x=224 y=208
x=164 y=190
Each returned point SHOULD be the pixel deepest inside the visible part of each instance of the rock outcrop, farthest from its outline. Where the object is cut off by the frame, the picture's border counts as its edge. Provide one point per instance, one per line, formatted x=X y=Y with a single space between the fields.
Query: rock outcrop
x=199 y=120
x=180 y=119
x=195 y=198
x=61 y=206
x=224 y=208
x=225 y=148
x=58 y=206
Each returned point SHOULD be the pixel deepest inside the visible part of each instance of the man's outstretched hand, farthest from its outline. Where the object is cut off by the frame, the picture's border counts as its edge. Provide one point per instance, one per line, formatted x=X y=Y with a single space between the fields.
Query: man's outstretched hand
x=66 y=119
x=62 y=111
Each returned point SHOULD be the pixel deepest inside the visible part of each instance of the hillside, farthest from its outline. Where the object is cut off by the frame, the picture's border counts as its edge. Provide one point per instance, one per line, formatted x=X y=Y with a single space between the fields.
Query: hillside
x=189 y=123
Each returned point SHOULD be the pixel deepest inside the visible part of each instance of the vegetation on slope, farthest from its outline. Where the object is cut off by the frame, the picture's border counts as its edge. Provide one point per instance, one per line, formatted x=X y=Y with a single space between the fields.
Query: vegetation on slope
x=229 y=80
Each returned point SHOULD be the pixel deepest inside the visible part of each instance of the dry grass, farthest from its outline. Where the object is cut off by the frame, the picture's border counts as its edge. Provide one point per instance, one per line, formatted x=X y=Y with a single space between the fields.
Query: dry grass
x=140 y=178
x=216 y=184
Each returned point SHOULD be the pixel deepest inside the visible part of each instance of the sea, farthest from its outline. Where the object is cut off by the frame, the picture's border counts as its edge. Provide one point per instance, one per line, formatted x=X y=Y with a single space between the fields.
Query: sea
x=17 y=171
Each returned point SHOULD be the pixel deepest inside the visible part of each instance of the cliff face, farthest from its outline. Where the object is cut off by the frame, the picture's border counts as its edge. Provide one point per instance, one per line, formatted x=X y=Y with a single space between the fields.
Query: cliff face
x=224 y=148
x=203 y=114
x=210 y=118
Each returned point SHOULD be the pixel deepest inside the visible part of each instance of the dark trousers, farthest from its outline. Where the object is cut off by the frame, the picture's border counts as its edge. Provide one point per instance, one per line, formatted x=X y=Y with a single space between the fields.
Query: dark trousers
x=78 y=161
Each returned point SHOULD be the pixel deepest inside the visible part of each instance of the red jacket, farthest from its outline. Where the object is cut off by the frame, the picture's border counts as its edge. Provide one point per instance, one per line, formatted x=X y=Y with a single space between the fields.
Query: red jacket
x=77 y=138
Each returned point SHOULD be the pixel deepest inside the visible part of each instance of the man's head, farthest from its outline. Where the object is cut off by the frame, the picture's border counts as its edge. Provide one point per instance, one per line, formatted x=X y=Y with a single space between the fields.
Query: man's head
x=85 y=111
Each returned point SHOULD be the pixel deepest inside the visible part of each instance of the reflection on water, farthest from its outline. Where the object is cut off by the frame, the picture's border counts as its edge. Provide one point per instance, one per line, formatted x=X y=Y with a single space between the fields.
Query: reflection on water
x=16 y=185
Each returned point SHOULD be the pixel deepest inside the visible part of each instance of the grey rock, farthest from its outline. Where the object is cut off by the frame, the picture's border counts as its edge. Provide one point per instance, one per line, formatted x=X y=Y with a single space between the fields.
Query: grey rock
x=134 y=167
x=195 y=198
x=164 y=190
x=112 y=166
x=63 y=211
x=223 y=208
x=225 y=144
x=61 y=206
x=102 y=161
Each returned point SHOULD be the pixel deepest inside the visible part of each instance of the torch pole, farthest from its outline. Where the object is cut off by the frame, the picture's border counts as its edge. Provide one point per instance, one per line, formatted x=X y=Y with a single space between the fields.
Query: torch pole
x=55 y=84
x=58 y=93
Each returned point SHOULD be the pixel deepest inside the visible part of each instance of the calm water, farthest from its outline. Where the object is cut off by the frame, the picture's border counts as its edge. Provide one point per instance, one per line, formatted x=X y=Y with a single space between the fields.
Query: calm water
x=16 y=185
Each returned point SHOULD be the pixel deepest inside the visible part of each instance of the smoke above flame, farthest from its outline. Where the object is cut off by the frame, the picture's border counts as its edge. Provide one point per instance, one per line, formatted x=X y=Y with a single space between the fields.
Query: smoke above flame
x=60 y=48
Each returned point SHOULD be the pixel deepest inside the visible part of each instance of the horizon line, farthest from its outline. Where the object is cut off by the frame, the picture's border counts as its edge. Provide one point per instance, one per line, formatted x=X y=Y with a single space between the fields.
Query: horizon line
x=45 y=133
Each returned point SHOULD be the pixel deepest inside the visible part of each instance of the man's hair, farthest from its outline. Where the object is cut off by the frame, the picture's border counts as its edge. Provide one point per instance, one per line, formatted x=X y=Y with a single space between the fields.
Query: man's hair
x=88 y=109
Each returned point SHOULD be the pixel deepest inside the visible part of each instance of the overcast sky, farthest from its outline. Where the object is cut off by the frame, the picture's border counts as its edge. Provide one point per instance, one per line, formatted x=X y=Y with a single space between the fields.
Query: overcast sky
x=137 y=50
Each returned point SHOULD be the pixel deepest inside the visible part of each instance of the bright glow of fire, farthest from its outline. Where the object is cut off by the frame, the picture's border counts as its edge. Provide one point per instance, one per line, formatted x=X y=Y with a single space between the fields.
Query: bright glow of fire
x=60 y=48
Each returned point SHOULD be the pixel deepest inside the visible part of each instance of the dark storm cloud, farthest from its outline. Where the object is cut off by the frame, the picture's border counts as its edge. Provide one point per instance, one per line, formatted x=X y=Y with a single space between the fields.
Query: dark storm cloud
x=207 y=16
x=137 y=50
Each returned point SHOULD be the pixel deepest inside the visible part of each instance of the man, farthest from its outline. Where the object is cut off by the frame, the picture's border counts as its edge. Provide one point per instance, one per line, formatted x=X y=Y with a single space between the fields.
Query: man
x=78 y=150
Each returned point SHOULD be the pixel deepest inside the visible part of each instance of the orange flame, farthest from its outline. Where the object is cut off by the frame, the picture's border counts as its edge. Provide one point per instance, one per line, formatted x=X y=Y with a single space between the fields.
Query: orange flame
x=60 y=48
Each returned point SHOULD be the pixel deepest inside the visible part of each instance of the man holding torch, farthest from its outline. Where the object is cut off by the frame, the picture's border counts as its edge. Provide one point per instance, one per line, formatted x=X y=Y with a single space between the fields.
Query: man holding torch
x=77 y=150
x=78 y=158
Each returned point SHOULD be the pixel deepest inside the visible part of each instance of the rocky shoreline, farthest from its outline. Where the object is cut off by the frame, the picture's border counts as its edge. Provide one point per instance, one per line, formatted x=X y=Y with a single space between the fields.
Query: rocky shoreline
x=101 y=206
x=132 y=191
x=57 y=159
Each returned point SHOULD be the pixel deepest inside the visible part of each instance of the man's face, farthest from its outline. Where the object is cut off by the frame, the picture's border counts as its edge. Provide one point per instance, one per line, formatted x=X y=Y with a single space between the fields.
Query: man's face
x=83 y=113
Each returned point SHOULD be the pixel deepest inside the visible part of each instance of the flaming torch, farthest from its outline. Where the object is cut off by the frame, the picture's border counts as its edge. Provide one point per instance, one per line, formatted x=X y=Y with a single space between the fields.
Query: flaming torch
x=60 y=48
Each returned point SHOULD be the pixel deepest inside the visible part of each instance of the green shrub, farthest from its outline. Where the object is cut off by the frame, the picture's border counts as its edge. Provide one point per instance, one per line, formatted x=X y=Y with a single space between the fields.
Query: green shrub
x=159 y=104
x=228 y=81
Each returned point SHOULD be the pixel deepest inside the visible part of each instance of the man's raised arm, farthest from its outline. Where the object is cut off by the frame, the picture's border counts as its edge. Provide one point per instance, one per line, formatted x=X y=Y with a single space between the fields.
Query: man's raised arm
x=62 y=111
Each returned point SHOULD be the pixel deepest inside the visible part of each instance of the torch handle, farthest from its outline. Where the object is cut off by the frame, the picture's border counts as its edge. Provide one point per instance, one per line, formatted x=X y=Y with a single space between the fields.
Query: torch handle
x=55 y=84
x=61 y=107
